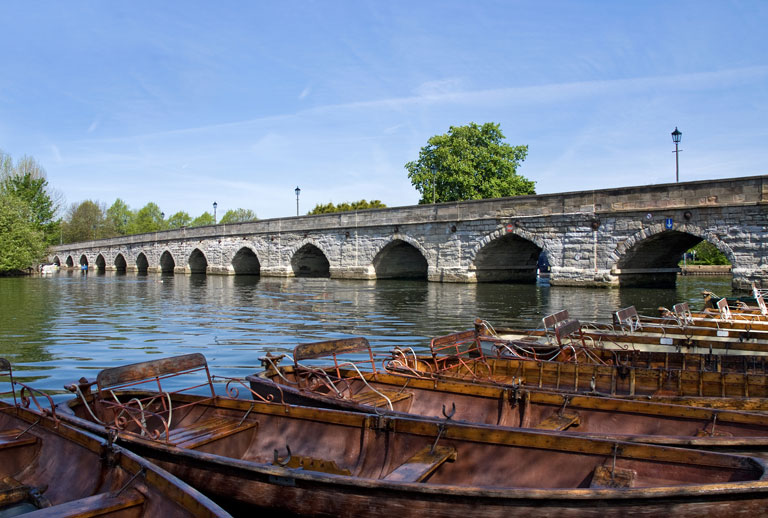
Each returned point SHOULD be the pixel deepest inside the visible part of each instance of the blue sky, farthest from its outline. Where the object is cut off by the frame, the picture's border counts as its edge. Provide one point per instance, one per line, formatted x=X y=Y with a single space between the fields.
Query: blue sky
x=186 y=103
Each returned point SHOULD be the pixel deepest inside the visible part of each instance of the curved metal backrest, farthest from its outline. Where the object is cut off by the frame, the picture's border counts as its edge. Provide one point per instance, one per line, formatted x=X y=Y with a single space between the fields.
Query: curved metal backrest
x=154 y=370
x=332 y=349
x=725 y=311
x=627 y=317
x=761 y=304
x=683 y=312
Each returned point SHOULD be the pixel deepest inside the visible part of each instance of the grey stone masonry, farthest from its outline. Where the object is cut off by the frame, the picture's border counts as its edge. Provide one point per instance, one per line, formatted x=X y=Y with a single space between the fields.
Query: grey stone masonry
x=590 y=238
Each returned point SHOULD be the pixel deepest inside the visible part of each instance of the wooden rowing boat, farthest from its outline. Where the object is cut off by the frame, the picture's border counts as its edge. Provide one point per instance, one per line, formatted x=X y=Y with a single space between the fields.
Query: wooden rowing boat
x=570 y=366
x=321 y=462
x=50 y=469
x=724 y=320
x=629 y=331
x=348 y=379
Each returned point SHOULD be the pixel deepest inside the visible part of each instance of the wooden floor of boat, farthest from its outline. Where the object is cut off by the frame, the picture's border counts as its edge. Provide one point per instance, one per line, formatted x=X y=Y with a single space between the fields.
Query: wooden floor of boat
x=202 y=432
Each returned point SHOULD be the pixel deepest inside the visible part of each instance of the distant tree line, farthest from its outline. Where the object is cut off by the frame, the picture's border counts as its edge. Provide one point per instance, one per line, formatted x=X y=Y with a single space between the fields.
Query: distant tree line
x=89 y=220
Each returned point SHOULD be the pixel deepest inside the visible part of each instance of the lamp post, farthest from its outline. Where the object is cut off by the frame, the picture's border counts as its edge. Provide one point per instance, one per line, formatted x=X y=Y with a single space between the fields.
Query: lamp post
x=297 y=191
x=214 y=212
x=676 y=135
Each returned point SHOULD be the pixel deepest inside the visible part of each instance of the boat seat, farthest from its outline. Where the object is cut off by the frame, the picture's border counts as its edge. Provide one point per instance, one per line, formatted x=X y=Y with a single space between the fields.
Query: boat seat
x=606 y=477
x=203 y=432
x=422 y=464
x=374 y=399
x=97 y=505
x=14 y=493
x=11 y=439
x=559 y=421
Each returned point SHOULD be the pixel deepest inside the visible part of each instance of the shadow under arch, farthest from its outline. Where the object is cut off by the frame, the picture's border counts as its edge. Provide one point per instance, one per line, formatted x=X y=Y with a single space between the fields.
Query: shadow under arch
x=56 y=260
x=507 y=257
x=120 y=263
x=246 y=262
x=198 y=264
x=400 y=259
x=70 y=262
x=83 y=260
x=651 y=257
x=167 y=263
x=310 y=261
x=142 y=263
x=101 y=263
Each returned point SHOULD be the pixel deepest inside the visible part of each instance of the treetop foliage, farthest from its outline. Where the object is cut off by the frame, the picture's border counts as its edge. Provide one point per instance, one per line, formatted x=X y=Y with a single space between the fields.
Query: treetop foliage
x=469 y=163
x=238 y=216
x=346 y=207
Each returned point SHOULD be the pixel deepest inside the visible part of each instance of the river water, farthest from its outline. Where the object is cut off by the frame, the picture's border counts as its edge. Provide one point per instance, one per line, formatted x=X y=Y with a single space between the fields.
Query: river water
x=57 y=329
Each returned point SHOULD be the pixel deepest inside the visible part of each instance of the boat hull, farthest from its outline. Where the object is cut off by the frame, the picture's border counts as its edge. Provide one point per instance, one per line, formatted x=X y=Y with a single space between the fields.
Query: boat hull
x=493 y=472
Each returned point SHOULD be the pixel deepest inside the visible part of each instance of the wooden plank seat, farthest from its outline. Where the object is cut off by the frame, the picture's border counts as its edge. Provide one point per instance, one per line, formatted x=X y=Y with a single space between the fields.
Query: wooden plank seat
x=15 y=494
x=610 y=477
x=13 y=438
x=559 y=421
x=92 y=506
x=203 y=432
x=374 y=399
x=422 y=464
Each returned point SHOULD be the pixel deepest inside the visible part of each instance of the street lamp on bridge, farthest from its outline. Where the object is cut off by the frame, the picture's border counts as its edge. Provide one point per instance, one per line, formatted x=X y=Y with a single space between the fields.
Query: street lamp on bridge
x=297 y=191
x=214 y=212
x=676 y=135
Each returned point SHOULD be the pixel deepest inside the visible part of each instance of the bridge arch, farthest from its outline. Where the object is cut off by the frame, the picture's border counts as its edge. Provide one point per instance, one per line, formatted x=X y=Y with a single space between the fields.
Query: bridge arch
x=246 y=262
x=650 y=256
x=120 y=263
x=142 y=263
x=197 y=262
x=507 y=255
x=401 y=258
x=101 y=263
x=167 y=263
x=83 y=260
x=56 y=260
x=70 y=262
x=308 y=260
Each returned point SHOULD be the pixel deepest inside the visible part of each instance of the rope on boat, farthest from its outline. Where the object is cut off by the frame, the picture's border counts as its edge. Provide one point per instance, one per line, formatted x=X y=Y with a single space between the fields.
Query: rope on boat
x=87 y=406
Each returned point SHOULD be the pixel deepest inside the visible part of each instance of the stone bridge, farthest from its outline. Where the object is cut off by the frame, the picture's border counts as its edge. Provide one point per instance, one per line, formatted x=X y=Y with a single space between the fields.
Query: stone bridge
x=626 y=236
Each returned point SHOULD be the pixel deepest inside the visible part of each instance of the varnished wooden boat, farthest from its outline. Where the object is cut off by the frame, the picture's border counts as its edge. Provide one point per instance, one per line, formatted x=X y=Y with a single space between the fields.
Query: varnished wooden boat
x=50 y=469
x=724 y=321
x=569 y=366
x=629 y=331
x=349 y=379
x=321 y=462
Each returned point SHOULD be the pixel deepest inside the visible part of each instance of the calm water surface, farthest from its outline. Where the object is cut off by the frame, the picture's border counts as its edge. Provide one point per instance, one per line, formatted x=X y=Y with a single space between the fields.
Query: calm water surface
x=59 y=328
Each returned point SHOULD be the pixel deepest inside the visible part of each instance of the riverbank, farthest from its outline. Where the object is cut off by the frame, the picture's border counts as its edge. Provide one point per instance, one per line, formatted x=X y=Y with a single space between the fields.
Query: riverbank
x=706 y=269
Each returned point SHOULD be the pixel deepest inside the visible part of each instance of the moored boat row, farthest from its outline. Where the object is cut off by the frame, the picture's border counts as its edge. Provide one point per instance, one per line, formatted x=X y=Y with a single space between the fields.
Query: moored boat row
x=570 y=420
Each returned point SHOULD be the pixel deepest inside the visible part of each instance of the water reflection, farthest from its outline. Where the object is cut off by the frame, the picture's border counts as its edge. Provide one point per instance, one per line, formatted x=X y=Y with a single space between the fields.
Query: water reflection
x=57 y=329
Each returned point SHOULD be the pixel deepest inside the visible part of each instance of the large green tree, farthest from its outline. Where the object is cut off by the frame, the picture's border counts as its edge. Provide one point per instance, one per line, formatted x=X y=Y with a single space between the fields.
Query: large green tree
x=469 y=163
x=178 y=220
x=206 y=218
x=238 y=216
x=26 y=180
x=85 y=222
x=346 y=206
x=118 y=217
x=149 y=218
x=21 y=243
